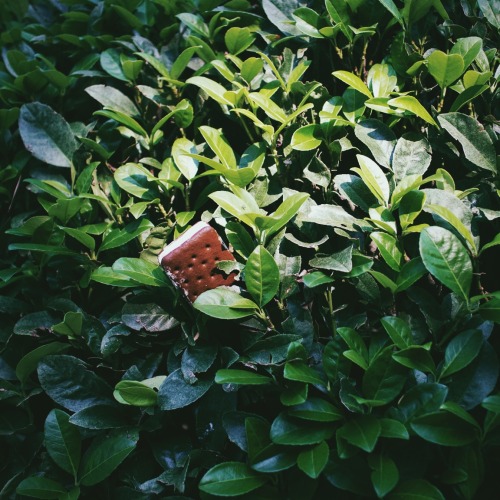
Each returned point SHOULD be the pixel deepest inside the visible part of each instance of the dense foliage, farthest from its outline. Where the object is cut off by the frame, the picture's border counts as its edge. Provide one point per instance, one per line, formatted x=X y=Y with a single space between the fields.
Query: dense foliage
x=347 y=152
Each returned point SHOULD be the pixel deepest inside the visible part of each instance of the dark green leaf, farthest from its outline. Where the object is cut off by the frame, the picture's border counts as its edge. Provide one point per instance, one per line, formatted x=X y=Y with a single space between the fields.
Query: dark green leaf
x=362 y=432
x=40 y=487
x=245 y=377
x=286 y=430
x=476 y=143
x=176 y=393
x=224 y=303
x=378 y=138
x=28 y=363
x=231 y=479
x=314 y=460
x=446 y=258
x=461 y=351
x=444 y=428
x=104 y=455
x=262 y=276
x=46 y=134
x=63 y=441
x=69 y=382
x=385 y=474
x=416 y=489
x=317 y=410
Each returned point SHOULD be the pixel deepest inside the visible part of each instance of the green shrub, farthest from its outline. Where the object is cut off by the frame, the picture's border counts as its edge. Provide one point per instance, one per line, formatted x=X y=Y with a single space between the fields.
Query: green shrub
x=347 y=153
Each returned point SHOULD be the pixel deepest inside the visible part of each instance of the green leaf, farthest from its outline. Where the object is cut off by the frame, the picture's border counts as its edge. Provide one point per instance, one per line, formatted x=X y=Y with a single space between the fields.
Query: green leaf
x=147 y=316
x=113 y=99
x=391 y=7
x=46 y=134
x=223 y=303
x=446 y=259
x=445 y=68
x=461 y=351
x=412 y=156
x=215 y=90
x=416 y=357
x=385 y=474
x=398 y=330
x=374 y=178
x=119 y=237
x=111 y=63
x=182 y=149
x=219 y=145
x=231 y=479
x=245 y=377
x=175 y=392
x=490 y=310
x=299 y=371
x=83 y=238
x=468 y=48
x=378 y=138
x=236 y=206
x=362 y=432
x=62 y=441
x=40 y=487
x=416 y=489
x=468 y=95
x=306 y=138
x=135 y=393
x=410 y=207
x=393 y=429
x=339 y=12
x=316 y=278
x=124 y=120
x=238 y=39
x=353 y=81
x=410 y=103
x=271 y=109
x=137 y=180
x=286 y=211
x=141 y=271
x=444 y=428
x=388 y=247
x=29 y=362
x=262 y=276
x=71 y=326
x=476 y=143
x=313 y=461
x=491 y=11
x=286 y=430
x=69 y=383
x=100 y=417
x=384 y=379
x=338 y=261
x=105 y=454
x=316 y=410
x=455 y=222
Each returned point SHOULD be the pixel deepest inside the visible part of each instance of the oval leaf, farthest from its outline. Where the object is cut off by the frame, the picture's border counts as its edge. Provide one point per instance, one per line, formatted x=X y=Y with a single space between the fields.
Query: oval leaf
x=46 y=134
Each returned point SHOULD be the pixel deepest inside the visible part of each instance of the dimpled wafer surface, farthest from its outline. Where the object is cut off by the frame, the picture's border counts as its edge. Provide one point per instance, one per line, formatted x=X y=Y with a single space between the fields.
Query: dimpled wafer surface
x=191 y=262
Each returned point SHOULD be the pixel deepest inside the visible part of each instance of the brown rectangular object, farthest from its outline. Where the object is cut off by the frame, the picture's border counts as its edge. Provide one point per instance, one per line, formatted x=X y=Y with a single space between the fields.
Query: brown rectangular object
x=191 y=261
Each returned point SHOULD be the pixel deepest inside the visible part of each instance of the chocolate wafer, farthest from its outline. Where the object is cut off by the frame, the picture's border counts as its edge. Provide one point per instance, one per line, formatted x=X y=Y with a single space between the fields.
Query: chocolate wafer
x=191 y=260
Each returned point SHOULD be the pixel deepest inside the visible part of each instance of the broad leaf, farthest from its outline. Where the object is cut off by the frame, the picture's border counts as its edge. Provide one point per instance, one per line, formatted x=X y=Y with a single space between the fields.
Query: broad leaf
x=46 y=134
x=262 y=276
x=313 y=461
x=224 y=303
x=63 y=441
x=446 y=258
x=231 y=479
x=476 y=143
x=104 y=455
